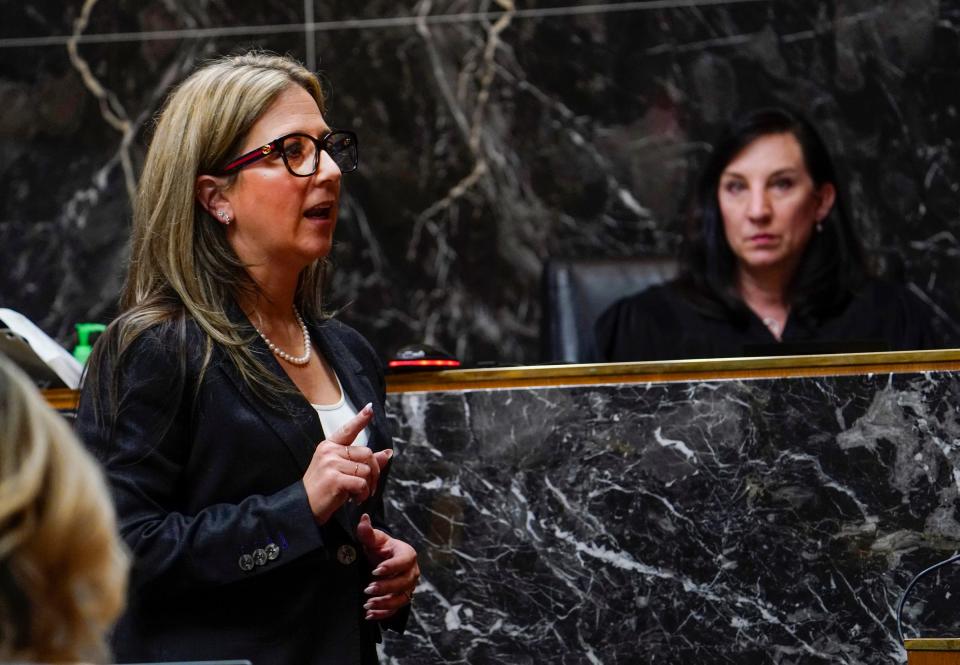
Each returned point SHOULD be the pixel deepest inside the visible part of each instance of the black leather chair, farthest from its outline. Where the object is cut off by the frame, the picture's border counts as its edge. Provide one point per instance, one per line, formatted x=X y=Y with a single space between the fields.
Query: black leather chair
x=575 y=292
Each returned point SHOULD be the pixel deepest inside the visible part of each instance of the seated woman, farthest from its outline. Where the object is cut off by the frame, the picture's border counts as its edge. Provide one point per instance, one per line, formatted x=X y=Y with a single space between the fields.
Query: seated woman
x=63 y=570
x=771 y=264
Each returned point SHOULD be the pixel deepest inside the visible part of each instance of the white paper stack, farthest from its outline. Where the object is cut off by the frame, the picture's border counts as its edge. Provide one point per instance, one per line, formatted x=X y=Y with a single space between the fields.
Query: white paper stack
x=46 y=362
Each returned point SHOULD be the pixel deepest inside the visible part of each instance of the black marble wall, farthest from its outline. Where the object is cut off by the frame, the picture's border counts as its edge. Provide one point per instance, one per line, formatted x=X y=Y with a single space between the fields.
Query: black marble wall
x=494 y=134
x=767 y=521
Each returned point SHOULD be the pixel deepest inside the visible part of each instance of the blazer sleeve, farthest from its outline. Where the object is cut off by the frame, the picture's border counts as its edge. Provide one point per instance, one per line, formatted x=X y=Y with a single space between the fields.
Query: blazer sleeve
x=377 y=512
x=144 y=450
x=398 y=622
x=361 y=351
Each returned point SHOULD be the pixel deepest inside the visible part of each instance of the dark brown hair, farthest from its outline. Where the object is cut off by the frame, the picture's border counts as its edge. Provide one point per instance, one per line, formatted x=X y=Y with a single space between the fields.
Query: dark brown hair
x=833 y=265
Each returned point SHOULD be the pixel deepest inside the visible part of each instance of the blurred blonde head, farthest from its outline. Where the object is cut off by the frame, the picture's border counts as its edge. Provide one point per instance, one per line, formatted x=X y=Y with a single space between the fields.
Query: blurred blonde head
x=63 y=570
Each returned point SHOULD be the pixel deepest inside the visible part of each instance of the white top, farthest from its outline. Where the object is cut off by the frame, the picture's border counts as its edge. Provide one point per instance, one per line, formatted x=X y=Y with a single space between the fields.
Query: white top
x=333 y=416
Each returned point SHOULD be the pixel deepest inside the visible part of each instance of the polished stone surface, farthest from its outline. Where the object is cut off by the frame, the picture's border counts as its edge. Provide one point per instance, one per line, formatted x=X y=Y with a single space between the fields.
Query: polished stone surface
x=761 y=521
x=492 y=138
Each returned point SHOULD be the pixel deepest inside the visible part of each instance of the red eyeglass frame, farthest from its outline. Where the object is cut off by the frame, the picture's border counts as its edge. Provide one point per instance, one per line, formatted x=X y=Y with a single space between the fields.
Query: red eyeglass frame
x=276 y=144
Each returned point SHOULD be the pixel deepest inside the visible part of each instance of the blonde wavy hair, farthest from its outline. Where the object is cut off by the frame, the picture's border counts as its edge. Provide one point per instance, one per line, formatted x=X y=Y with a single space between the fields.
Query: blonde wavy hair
x=63 y=569
x=181 y=263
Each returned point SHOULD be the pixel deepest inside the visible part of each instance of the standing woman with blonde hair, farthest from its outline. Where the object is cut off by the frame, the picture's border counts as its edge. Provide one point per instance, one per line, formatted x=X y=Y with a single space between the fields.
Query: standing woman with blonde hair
x=63 y=569
x=243 y=432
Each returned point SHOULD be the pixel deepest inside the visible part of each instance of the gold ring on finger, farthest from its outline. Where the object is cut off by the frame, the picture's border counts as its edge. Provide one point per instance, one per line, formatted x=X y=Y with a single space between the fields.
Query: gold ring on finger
x=348 y=454
x=356 y=471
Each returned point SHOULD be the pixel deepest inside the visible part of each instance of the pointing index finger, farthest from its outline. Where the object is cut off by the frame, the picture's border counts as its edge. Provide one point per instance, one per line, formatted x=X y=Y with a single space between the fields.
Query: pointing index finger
x=346 y=433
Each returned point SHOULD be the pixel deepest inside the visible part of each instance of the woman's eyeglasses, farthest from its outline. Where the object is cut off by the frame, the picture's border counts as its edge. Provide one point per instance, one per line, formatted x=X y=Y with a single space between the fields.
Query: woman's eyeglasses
x=301 y=153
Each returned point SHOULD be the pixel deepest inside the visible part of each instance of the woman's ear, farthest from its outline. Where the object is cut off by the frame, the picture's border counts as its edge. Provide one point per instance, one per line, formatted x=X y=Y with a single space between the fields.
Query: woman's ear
x=826 y=197
x=210 y=195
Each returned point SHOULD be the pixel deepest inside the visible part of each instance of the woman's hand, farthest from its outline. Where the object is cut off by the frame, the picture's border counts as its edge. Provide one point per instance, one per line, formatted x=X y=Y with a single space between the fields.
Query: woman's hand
x=396 y=572
x=339 y=471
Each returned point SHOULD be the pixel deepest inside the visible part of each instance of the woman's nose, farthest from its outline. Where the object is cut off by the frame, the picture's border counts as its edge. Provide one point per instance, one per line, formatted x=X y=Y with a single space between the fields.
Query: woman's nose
x=327 y=169
x=759 y=206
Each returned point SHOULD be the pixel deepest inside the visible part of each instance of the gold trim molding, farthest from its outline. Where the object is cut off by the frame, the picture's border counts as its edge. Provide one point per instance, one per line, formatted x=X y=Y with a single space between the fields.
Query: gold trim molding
x=533 y=376
x=932 y=644
x=676 y=370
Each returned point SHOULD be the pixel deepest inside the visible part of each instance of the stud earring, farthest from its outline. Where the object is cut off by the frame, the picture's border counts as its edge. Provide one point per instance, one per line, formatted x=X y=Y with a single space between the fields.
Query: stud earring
x=223 y=217
x=819 y=227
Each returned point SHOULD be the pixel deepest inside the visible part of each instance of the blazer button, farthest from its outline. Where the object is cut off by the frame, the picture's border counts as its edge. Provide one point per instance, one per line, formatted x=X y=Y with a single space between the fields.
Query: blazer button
x=346 y=554
x=259 y=556
x=246 y=563
x=273 y=551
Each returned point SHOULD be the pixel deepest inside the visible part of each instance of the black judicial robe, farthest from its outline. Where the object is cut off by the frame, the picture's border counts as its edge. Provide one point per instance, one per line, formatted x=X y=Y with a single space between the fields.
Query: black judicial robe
x=660 y=323
x=228 y=561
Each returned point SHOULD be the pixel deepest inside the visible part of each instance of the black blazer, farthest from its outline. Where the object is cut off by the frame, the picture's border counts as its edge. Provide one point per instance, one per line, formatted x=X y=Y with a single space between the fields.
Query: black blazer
x=228 y=560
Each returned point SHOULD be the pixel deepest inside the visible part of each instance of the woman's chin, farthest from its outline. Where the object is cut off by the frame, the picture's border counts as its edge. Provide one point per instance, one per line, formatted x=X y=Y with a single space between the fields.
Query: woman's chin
x=303 y=255
x=316 y=246
x=765 y=261
x=318 y=253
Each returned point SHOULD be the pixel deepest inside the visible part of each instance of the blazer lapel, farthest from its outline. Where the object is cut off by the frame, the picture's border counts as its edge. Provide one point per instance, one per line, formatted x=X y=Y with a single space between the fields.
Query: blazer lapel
x=294 y=422
x=356 y=384
x=354 y=379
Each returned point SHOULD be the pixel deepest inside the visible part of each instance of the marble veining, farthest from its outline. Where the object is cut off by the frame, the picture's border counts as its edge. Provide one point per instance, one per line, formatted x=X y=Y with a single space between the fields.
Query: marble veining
x=766 y=521
x=495 y=133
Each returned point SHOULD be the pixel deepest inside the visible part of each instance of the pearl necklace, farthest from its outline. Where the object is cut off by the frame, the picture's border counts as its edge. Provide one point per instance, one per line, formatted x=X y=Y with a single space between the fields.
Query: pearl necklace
x=280 y=353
